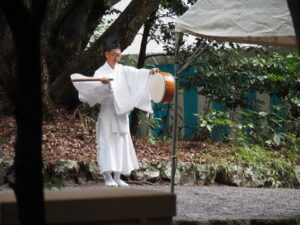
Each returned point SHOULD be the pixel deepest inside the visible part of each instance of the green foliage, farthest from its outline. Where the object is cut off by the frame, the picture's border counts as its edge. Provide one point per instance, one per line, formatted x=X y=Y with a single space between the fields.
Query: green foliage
x=268 y=130
x=54 y=182
x=273 y=130
x=129 y=60
x=259 y=140
x=162 y=31
x=2 y=140
x=88 y=113
x=277 y=169
x=150 y=138
x=164 y=139
x=215 y=119
x=152 y=123
x=227 y=75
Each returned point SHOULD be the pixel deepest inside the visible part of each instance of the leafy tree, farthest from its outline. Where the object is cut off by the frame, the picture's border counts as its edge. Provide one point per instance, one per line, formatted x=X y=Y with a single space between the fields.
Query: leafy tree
x=228 y=75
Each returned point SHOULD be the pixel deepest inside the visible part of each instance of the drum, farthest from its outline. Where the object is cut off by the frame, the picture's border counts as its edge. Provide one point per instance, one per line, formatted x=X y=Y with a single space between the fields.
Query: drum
x=161 y=87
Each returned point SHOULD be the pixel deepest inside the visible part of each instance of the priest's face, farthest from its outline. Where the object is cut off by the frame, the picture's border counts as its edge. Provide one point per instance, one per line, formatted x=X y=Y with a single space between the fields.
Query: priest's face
x=113 y=57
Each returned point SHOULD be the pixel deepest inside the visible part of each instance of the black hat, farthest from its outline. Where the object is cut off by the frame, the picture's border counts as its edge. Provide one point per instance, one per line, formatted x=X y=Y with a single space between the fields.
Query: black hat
x=112 y=42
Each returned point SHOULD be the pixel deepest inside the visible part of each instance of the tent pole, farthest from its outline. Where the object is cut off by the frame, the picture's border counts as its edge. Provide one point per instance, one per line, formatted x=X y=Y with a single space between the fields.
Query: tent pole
x=196 y=53
x=178 y=36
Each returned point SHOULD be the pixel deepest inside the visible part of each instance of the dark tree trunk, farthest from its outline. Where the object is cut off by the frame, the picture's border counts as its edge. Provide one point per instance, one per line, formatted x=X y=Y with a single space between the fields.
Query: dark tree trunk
x=134 y=122
x=25 y=23
x=69 y=37
x=7 y=68
x=66 y=31
x=126 y=27
x=71 y=32
x=294 y=6
x=68 y=27
x=147 y=27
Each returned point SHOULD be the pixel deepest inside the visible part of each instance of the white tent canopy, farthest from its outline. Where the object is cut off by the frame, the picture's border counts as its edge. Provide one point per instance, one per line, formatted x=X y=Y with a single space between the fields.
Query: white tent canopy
x=264 y=22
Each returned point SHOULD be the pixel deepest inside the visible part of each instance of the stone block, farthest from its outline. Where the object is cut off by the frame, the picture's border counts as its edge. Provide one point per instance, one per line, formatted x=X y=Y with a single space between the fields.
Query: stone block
x=166 y=172
x=187 y=173
x=66 y=169
x=6 y=171
x=205 y=174
x=146 y=172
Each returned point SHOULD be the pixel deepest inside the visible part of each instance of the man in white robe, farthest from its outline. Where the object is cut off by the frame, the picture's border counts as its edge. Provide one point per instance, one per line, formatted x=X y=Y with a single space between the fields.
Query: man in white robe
x=122 y=89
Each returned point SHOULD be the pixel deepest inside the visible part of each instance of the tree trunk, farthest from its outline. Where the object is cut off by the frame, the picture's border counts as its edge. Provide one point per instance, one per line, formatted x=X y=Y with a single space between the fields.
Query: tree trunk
x=7 y=68
x=68 y=28
x=69 y=37
x=71 y=32
x=294 y=6
x=146 y=32
x=134 y=122
x=25 y=26
x=126 y=27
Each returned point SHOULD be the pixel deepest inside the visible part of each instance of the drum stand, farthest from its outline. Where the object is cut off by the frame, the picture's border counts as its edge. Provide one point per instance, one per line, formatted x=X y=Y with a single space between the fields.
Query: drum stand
x=175 y=113
x=196 y=53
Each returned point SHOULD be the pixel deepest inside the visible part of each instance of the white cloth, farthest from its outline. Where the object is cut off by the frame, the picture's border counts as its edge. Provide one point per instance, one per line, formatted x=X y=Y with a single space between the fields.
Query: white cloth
x=129 y=89
x=266 y=22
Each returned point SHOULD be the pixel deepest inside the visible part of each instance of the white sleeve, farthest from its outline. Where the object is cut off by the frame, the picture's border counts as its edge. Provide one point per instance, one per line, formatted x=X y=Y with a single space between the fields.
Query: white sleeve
x=138 y=83
x=91 y=92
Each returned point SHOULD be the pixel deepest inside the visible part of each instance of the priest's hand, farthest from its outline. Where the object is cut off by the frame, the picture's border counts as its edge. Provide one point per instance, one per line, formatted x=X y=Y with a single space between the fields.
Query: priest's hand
x=105 y=80
x=154 y=71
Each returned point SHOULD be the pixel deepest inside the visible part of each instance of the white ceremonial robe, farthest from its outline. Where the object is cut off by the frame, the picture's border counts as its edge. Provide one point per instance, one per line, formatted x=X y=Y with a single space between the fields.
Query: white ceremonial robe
x=129 y=89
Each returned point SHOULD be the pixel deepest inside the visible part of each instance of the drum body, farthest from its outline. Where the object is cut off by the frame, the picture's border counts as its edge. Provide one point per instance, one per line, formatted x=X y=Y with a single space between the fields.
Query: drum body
x=161 y=87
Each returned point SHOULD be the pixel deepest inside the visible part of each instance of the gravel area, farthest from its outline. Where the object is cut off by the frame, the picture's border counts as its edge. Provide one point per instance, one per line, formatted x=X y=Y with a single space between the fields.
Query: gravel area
x=224 y=202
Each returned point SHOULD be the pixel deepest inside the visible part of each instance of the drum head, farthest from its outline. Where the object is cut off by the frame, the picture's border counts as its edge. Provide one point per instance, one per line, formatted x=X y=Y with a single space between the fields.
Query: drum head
x=157 y=88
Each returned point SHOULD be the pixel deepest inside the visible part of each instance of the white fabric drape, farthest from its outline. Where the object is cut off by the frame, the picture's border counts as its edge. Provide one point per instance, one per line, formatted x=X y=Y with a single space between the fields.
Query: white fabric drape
x=266 y=22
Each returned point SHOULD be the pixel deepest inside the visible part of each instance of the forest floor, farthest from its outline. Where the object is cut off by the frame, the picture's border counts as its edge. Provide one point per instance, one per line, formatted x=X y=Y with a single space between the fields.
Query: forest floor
x=72 y=136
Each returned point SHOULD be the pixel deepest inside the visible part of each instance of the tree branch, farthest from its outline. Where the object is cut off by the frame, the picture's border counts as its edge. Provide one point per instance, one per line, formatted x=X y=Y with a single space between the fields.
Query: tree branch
x=126 y=27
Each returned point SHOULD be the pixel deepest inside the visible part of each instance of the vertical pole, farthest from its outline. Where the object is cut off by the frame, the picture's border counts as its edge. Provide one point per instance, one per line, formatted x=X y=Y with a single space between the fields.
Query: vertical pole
x=175 y=113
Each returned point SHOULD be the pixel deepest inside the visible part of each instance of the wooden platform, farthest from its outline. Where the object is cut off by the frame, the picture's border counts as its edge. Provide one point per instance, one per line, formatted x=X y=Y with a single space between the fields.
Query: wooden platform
x=94 y=207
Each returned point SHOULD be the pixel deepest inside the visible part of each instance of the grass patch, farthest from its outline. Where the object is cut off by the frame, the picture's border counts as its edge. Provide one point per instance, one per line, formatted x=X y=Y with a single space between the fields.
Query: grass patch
x=271 y=164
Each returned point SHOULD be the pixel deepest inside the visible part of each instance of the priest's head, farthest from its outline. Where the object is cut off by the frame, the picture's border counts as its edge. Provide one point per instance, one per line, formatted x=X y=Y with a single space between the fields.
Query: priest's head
x=112 y=50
